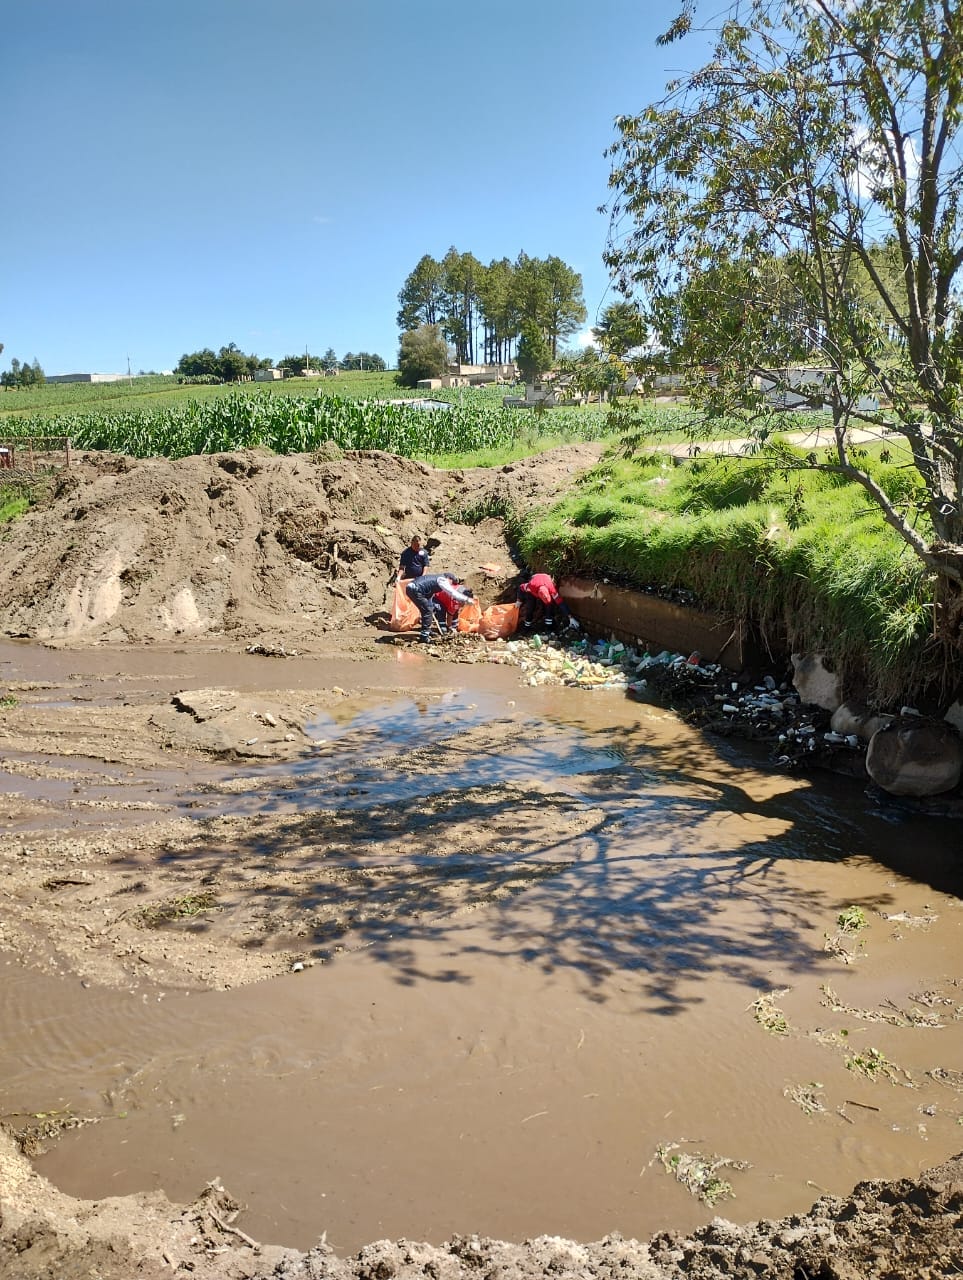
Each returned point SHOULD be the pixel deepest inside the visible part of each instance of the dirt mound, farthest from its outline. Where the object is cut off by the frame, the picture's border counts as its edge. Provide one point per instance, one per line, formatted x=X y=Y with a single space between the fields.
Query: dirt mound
x=885 y=1229
x=251 y=544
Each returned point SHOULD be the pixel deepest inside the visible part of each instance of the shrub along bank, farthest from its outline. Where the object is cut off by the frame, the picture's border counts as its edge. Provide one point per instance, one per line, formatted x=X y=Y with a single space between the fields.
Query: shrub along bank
x=796 y=552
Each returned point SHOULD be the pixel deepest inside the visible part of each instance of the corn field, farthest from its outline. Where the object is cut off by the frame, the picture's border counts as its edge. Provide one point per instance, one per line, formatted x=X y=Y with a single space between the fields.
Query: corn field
x=296 y=425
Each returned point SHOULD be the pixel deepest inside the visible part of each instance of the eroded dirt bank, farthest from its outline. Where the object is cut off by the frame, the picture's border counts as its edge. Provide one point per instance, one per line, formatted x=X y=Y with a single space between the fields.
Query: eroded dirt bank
x=884 y=1231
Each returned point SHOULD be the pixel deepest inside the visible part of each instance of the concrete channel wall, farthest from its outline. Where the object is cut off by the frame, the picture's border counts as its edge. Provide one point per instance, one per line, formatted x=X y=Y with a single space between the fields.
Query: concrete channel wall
x=639 y=618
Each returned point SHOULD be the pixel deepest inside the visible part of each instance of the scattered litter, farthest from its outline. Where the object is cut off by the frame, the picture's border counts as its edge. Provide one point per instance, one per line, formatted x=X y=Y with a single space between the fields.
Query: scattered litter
x=697 y=1172
x=913 y=922
x=872 y=1064
x=835 y=946
x=272 y=651
x=947 y=1076
x=809 y=1097
x=890 y=1013
x=593 y=664
x=769 y=1015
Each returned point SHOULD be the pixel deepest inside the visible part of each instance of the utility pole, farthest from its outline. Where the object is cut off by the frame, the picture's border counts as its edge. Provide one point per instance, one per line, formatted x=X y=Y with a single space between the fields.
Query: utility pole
x=129 y=378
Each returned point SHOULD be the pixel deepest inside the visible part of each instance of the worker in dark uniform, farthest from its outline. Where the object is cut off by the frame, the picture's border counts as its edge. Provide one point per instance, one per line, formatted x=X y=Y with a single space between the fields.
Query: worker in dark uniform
x=541 y=593
x=414 y=561
x=424 y=592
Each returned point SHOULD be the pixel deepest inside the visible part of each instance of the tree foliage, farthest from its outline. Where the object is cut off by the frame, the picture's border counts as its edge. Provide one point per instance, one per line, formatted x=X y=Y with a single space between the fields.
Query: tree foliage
x=481 y=309
x=620 y=329
x=423 y=354
x=534 y=356
x=229 y=364
x=797 y=201
x=363 y=360
x=22 y=374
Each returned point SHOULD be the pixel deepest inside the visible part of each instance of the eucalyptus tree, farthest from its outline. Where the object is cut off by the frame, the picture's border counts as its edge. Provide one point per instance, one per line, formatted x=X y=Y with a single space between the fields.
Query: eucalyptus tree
x=421 y=295
x=620 y=329
x=797 y=200
x=499 y=310
x=459 y=310
x=564 y=306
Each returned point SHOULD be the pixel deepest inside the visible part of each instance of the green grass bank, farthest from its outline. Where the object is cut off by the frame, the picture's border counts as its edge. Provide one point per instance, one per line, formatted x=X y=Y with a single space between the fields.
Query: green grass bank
x=798 y=553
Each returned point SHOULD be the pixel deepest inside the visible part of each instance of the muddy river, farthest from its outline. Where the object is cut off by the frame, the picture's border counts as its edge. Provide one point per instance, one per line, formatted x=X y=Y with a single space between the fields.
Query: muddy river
x=572 y=940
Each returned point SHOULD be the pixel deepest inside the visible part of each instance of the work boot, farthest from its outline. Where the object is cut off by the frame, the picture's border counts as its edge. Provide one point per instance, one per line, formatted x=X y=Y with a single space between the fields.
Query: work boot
x=424 y=639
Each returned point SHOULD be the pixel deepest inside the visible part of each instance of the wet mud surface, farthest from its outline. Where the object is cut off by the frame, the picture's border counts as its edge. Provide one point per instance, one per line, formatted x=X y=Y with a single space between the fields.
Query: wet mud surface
x=451 y=955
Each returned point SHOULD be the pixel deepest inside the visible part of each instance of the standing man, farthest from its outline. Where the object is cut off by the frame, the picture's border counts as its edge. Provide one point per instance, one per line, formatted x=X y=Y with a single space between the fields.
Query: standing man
x=414 y=560
x=424 y=592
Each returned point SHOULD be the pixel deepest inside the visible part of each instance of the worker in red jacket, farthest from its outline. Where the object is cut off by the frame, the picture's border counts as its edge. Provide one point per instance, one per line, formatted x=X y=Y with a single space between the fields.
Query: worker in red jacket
x=541 y=593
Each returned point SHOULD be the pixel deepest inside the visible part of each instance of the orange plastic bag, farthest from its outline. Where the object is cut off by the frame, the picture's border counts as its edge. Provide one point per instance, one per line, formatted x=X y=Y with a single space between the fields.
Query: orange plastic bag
x=469 y=618
x=404 y=615
x=499 y=621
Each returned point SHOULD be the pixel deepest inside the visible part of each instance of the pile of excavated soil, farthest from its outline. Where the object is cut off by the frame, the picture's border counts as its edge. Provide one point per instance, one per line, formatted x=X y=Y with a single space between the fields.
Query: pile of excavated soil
x=252 y=545
x=884 y=1231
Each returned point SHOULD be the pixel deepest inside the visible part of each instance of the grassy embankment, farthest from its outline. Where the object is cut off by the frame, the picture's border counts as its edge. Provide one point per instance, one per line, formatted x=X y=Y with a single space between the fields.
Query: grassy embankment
x=800 y=554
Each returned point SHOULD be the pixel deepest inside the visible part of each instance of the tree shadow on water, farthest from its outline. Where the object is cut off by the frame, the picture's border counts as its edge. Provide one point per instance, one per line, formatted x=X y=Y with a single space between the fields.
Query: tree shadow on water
x=640 y=872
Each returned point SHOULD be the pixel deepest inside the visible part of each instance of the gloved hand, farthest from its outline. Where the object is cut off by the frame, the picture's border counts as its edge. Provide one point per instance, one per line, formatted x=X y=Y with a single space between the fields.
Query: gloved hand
x=573 y=624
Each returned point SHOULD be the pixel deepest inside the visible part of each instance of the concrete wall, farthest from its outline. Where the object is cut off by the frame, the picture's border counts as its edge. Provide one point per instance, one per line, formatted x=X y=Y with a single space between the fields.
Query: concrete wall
x=636 y=617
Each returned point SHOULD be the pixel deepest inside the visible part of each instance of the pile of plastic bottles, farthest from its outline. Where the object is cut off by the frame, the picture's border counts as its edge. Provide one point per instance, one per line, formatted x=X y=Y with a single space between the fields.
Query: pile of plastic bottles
x=586 y=663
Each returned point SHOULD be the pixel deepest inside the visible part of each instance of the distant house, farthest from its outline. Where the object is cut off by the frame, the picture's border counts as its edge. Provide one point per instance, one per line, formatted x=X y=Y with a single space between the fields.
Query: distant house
x=546 y=395
x=802 y=388
x=268 y=375
x=478 y=375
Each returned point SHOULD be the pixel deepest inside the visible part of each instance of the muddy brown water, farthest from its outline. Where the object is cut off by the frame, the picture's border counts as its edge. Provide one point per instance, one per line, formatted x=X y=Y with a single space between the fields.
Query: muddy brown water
x=514 y=1069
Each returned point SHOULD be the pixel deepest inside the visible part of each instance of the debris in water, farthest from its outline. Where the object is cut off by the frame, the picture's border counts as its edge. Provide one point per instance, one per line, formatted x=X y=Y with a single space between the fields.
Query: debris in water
x=768 y=1015
x=590 y=664
x=272 y=651
x=807 y=1096
x=697 y=1172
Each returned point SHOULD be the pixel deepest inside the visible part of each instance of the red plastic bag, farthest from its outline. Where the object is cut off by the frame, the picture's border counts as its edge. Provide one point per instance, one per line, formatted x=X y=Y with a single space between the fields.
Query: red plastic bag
x=499 y=621
x=405 y=615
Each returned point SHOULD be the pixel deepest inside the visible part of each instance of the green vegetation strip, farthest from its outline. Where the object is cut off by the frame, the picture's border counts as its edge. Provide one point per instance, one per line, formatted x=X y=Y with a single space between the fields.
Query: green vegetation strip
x=796 y=552
x=289 y=424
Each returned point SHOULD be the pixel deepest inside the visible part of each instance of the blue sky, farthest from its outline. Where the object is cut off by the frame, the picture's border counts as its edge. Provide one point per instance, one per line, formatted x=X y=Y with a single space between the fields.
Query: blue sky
x=188 y=173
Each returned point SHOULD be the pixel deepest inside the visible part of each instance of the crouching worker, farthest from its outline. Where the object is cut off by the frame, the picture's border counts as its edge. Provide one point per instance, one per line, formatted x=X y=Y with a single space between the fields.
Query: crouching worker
x=540 y=593
x=436 y=595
